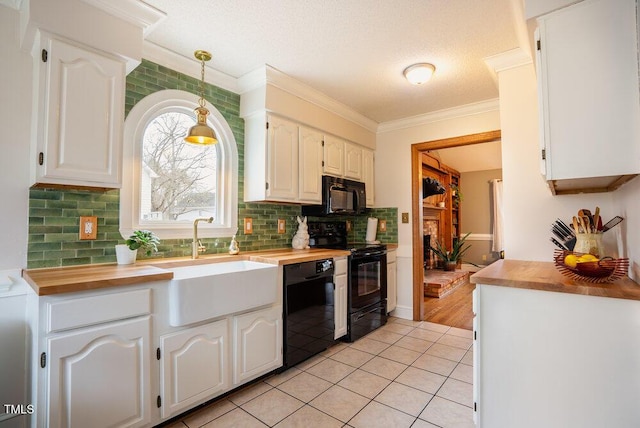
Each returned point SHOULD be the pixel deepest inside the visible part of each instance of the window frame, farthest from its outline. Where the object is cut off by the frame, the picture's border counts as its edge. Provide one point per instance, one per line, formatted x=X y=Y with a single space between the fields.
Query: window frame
x=226 y=221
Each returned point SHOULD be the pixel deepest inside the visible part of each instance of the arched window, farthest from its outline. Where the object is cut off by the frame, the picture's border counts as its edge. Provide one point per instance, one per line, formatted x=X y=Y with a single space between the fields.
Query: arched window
x=168 y=183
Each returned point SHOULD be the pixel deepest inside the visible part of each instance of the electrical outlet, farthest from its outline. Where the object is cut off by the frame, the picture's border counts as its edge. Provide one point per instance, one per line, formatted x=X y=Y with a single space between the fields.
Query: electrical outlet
x=88 y=227
x=282 y=225
x=484 y=257
x=382 y=225
x=248 y=225
x=348 y=225
x=405 y=217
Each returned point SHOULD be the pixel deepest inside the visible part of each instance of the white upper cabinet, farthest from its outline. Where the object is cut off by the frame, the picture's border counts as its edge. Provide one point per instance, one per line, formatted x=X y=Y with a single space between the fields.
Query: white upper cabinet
x=352 y=161
x=283 y=161
x=589 y=97
x=333 y=156
x=80 y=116
x=368 y=176
x=310 y=165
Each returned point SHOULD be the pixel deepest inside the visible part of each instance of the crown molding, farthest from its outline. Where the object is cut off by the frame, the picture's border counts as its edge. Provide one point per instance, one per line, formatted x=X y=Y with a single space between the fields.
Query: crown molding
x=268 y=75
x=440 y=115
x=188 y=66
x=506 y=60
x=135 y=12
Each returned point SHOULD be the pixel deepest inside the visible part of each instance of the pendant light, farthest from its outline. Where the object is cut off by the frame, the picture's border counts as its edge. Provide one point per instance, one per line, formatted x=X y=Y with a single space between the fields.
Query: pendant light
x=201 y=133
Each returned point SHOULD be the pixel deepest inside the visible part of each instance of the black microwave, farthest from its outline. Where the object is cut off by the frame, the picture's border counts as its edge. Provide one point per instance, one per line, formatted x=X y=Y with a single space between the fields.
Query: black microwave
x=339 y=196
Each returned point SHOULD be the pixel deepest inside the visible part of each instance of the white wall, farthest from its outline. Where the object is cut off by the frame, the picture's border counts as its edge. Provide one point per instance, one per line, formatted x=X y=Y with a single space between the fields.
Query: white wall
x=529 y=206
x=15 y=122
x=393 y=182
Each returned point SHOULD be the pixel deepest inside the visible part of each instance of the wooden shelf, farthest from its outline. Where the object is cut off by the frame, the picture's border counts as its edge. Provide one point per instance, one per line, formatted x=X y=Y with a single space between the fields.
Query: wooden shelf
x=432 y=207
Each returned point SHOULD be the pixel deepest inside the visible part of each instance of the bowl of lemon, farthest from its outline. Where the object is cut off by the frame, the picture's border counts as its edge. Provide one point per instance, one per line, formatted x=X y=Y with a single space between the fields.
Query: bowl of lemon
x=587 y=267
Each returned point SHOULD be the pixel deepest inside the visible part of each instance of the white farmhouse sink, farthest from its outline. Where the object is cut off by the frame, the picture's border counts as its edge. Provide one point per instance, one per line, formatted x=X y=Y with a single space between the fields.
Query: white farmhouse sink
x=198 y=293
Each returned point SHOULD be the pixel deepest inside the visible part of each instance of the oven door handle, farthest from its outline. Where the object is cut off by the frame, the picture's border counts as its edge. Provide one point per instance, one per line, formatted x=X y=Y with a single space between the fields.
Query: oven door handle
x=325 y=274
x=361 y=315
x=369 y=254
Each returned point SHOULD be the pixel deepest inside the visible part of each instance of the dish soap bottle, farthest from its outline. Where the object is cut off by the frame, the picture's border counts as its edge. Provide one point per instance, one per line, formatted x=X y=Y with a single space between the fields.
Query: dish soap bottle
x=233 y=246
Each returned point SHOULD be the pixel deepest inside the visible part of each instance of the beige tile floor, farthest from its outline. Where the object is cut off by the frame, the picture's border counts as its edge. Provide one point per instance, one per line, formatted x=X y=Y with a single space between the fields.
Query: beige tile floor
x=405 y=374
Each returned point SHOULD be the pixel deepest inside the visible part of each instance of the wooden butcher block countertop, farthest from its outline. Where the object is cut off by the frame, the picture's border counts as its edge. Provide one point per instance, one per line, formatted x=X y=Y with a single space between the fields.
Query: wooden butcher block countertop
x=544 y=276
x=49 y=281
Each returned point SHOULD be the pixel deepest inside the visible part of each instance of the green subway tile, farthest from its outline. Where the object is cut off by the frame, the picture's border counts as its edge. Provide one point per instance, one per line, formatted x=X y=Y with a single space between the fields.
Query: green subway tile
x=38 y=230
x=45 y=212
x=93 y=252
x=36 y=264
x=72 y=261
x=45 y=194
x=60 y=254
x=36 y=221
x=62 y=221
x=62 y=204
x=35 y=255
x=74 y=245
x=104 y=259
x=61 y=237
x=78 y=196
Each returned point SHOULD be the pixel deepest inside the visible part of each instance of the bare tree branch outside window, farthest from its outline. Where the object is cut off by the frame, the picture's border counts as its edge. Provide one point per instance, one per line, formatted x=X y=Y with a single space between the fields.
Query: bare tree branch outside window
x=181 y=177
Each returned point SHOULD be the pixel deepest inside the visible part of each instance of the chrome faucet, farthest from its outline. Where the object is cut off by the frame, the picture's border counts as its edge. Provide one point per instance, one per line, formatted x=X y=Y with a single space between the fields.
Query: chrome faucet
x=196 y=245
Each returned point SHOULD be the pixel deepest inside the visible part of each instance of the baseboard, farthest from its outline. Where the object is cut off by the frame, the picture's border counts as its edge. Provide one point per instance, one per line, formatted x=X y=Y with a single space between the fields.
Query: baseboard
x=403 y=312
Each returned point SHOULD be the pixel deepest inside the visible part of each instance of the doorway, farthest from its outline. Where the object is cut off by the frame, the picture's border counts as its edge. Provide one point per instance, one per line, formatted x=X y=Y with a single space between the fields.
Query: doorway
x=417 y=214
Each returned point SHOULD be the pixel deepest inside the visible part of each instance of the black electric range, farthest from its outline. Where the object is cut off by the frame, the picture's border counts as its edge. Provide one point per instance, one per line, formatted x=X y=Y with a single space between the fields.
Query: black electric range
x=367 y=296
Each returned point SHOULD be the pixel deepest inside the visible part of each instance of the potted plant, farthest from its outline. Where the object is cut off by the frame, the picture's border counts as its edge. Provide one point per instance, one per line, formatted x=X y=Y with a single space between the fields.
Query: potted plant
x=456 y=195
x=451 y=257
x=143 y=240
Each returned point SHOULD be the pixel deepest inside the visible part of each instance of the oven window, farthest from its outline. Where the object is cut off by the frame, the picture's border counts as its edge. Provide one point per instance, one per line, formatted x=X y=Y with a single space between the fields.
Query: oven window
x=368 y=278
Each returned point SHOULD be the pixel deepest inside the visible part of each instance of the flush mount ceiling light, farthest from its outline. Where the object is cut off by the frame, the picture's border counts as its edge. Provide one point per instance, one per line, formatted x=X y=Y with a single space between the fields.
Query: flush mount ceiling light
x=201 y=133
x=418 y=74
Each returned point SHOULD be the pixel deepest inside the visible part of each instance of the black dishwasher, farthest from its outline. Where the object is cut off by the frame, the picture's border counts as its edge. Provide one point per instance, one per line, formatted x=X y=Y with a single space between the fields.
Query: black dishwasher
x=308 y=310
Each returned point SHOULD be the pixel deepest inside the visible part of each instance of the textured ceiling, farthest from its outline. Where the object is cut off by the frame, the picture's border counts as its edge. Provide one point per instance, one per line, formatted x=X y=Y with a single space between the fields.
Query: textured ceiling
x=353 y=51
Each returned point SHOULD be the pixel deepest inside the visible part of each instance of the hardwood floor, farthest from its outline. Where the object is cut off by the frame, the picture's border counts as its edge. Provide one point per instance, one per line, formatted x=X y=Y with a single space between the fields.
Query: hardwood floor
x=454 y=309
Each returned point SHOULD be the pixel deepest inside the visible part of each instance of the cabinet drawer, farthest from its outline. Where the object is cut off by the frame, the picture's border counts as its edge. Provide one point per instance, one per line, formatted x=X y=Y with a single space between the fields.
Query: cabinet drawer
x=74 y=313
x=391 y=256
x=340 y=266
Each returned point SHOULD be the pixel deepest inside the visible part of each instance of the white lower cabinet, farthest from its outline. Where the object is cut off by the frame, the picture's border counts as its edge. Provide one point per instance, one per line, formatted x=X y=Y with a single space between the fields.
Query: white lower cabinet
x=554 y=360
x=111 y=358
x=194 y=366
x=257 y=343
x=392 y=281
x=99 y=376
x=340 y=281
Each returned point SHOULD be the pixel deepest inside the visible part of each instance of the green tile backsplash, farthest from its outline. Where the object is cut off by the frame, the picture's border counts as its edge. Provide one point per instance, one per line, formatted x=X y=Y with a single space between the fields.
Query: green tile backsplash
x=54 y=214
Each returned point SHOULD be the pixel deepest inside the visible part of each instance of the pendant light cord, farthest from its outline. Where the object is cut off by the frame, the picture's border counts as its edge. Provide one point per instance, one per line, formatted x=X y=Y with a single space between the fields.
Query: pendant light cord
x=202 y=101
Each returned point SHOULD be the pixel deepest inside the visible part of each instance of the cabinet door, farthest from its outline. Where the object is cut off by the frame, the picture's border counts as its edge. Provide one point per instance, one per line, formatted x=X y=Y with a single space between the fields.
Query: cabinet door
x=194 y=366
x=282 y=153
x=353 y=161
x=340 y=307
x=591 y=112
x=99 y=377
x=392 y=287
x=257 y=343
x=310 y=165
x=81 y=117
x=368 y=176
x=333 y=156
